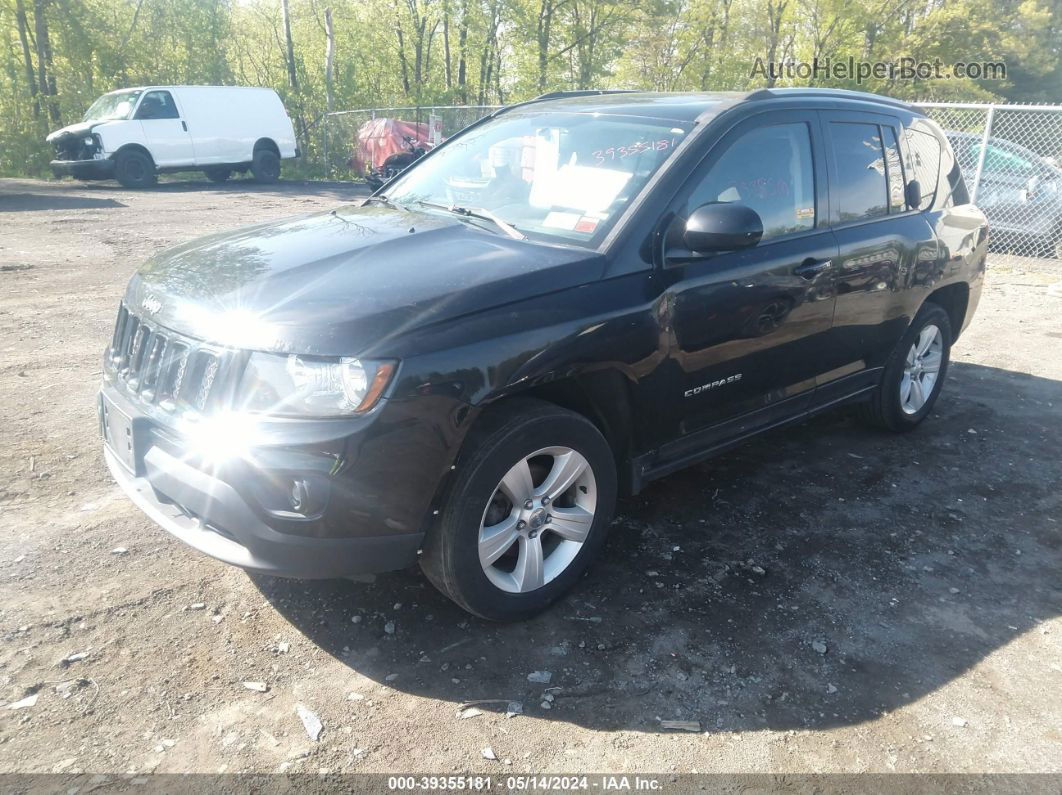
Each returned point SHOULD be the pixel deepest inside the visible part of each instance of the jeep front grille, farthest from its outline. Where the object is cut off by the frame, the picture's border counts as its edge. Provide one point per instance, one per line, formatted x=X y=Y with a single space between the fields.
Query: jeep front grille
x=160 y=367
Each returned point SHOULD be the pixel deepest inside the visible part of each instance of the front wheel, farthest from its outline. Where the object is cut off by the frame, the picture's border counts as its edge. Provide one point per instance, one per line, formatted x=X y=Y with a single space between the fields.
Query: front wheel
x=527 y=514
x=134 y=169
x=914 y=374
x=265 y=166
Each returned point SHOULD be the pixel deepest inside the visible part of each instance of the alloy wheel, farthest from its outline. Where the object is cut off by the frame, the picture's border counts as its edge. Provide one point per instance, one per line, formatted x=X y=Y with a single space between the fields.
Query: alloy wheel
x=537 y=519
x=921 y=369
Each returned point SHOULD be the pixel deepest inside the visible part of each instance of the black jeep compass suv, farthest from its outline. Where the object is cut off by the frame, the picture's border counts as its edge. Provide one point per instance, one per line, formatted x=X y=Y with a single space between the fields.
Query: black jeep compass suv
x=569 y=298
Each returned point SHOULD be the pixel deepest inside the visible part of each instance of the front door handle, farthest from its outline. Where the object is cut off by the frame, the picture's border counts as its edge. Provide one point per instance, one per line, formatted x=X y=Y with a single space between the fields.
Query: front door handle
x=810 y=268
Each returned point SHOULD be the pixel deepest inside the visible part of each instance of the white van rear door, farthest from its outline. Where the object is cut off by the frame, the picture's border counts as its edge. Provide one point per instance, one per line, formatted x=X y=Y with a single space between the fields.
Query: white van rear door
x=165 y=132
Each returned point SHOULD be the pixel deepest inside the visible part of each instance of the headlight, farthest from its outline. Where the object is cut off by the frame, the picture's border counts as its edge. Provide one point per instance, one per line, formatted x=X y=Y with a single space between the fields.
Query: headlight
x=311 y=386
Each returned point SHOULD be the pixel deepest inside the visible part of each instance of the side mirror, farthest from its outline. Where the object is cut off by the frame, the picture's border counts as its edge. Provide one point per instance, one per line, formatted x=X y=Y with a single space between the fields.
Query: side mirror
x=913 y=194
x=722 y=226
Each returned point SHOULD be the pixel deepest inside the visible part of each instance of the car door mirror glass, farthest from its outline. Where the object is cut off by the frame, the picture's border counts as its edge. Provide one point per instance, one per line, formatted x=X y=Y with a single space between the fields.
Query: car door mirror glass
x=722 y=226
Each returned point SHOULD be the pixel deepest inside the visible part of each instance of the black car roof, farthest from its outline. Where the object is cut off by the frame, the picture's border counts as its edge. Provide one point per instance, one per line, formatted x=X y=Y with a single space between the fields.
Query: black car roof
x=689 y=106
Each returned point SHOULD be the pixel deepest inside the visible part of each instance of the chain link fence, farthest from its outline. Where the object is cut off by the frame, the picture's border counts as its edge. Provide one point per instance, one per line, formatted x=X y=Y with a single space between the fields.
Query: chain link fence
x=1010 y=156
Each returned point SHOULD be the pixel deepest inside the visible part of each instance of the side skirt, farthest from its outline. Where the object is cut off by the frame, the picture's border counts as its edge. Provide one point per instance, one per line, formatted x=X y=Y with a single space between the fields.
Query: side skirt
x=719 y=438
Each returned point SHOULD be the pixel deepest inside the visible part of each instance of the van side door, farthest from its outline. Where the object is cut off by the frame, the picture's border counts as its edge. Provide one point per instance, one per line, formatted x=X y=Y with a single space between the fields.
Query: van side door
x=882 y=243
x=165 y=132
x=750 y=326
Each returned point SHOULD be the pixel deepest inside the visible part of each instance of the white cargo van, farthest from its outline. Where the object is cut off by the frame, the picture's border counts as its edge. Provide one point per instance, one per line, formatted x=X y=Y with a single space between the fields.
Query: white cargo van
x=135 y=134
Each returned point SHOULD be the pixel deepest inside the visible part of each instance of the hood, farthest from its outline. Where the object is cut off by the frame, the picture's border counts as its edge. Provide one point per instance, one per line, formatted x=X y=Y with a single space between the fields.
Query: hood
x=334 y=283
x=81 y=128
x=77 y=130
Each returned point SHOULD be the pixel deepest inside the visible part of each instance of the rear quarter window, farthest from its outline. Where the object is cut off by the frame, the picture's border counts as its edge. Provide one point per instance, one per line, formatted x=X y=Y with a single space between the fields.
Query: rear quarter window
x=935 y=167
x=925 y=152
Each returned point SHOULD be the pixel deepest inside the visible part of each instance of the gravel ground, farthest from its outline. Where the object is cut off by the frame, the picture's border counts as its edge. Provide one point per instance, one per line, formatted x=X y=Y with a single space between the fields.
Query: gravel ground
x=823 y=599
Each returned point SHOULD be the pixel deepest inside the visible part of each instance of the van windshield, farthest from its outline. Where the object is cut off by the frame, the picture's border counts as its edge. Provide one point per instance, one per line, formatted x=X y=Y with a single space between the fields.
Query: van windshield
x=109 y=107
x=549 y=174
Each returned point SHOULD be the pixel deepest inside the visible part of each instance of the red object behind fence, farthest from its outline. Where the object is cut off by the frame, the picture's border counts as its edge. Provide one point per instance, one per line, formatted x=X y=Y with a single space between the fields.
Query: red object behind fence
x=378 y=139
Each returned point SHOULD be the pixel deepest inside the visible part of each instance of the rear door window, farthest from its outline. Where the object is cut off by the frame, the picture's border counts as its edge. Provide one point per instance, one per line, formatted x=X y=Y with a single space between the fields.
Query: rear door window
x=861 y=189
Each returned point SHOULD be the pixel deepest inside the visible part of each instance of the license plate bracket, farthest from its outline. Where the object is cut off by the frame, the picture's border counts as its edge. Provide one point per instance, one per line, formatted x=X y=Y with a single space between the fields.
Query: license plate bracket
x=118 y=434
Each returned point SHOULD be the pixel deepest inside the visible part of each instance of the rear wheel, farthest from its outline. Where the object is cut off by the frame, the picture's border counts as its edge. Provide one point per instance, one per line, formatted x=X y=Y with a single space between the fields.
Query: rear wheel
x=218 y=174
x=527 y=513
x=265 y=166
x=914 y=374
x=134 y=169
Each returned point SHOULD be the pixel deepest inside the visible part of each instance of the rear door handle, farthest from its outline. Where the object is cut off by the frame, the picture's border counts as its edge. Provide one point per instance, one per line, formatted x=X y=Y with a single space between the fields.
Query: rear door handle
x=184 y=124
x=810 y=268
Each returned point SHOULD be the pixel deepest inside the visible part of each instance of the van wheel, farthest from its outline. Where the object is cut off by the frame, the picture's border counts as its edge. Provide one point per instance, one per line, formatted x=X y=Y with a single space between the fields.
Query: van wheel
x=134 y=169
x=265 y=166
x=527 y=514
x=914 y=374
x=218 y=174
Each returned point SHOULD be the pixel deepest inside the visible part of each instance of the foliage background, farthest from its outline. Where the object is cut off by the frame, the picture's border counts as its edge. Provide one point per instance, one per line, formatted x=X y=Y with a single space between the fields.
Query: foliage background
x=58 y=55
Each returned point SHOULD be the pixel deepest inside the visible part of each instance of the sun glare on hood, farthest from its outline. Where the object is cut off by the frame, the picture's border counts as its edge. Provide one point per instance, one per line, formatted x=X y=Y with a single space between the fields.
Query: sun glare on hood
x=237 y=327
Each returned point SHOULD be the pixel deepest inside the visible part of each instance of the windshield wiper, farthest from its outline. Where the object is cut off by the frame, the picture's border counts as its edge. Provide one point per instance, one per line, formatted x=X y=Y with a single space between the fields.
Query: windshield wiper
x=477 y=212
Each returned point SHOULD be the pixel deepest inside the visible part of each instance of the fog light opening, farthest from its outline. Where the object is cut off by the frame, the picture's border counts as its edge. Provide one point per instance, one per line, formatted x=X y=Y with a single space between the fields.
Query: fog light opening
x=300 y=493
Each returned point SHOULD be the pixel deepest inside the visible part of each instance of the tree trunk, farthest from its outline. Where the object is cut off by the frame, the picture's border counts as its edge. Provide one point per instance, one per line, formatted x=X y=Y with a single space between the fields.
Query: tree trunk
x=724 y=31
x=402 y=55
x=486 y=59
x=427 y=49
x=293 y=78
x=497 y=79
x=774 y=22
x=446 y=46
x=418 y=56
x=45 y=76
x=462 y=57
x=20 y=17
x=486 y=64
x=545 y=23
x=330 y=59
x=708 y=36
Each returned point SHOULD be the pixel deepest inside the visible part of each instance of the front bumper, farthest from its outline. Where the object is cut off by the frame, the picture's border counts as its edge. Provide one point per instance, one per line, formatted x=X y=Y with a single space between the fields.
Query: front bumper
x=220 y=512
x=84 y=169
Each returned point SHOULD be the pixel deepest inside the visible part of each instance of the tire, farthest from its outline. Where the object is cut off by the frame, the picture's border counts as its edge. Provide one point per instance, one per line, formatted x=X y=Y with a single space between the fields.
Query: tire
x=265 y=166
x=1054 y=246
x=905 y=395
x=134 y=169
x=511 y=586
x=218 y=174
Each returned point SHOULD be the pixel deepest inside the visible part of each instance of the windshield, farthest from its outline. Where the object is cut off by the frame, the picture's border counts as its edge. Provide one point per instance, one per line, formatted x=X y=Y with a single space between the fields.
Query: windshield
x=117 y=105
x=553 y=175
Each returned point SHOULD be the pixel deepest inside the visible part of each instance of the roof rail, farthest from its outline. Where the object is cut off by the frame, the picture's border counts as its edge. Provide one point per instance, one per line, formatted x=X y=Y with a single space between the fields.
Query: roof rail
x=584 y=93
x=555 y=95
x=835 y=93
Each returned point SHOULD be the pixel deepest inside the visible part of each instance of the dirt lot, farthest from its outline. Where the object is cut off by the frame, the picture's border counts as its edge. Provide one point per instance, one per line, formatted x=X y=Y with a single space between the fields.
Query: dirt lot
x=824 y=599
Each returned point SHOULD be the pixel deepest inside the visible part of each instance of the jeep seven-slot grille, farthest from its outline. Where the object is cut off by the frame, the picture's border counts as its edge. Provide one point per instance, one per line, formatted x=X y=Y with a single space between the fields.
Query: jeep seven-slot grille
x=163 y=368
